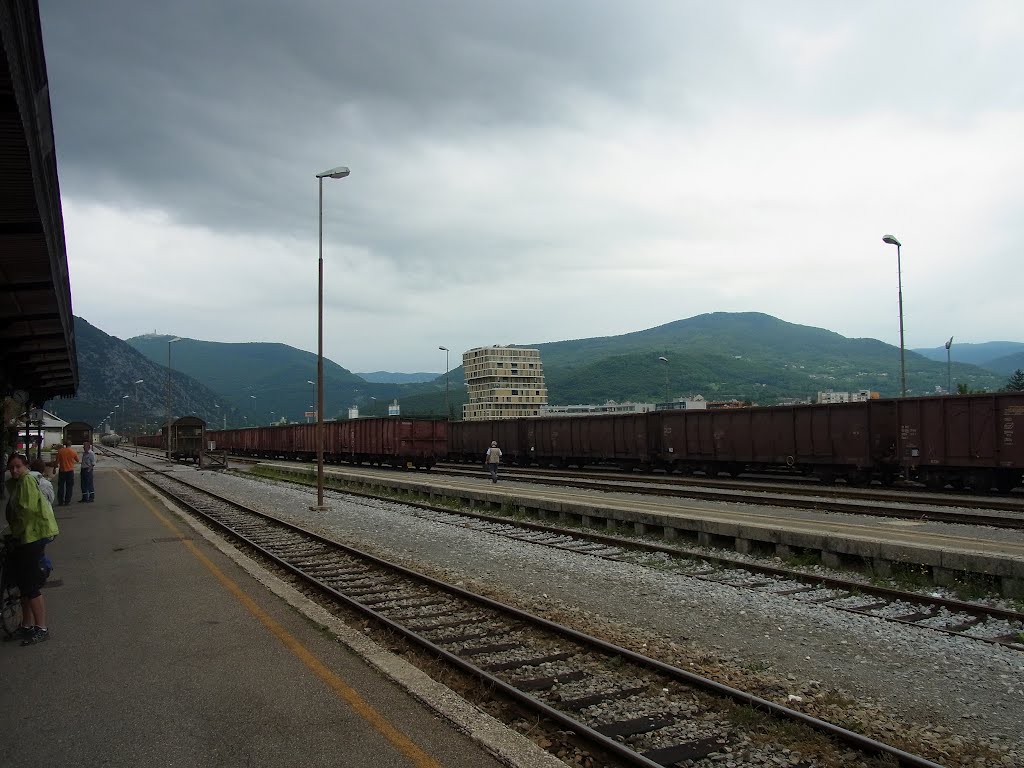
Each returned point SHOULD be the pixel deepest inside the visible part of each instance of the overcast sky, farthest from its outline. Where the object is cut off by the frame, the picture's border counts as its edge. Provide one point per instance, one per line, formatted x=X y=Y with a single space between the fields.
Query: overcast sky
x=537 y=170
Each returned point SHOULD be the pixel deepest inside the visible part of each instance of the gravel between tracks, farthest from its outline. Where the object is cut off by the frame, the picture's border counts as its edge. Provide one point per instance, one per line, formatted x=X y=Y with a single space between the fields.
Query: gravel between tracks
x=947 y=691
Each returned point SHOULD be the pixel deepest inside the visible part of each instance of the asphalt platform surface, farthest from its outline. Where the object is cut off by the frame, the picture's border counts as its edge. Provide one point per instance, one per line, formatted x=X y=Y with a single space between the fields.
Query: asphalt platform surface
x=165 y=651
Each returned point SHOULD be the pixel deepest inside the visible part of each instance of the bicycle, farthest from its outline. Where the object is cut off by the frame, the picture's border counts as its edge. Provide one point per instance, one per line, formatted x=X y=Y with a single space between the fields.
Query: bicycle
x=10 y=596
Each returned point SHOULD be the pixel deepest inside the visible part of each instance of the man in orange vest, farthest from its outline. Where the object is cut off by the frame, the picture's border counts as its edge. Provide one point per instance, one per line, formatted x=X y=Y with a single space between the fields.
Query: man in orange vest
x=67 y=457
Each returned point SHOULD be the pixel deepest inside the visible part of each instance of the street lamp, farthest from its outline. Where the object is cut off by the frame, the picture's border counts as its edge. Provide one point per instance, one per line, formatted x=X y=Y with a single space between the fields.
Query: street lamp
x=167 y=434
x=125 y=415
x=447 y=406
x=891 y=240
x=312 y=407
x=254 y=420
x=113 y=424
x=949 y=368
x=334 y=173
x=137 y=414
x=665 y=361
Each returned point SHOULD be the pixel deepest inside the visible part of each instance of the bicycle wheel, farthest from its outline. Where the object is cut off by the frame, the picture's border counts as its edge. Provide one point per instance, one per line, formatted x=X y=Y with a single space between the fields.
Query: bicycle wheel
x=10 y=604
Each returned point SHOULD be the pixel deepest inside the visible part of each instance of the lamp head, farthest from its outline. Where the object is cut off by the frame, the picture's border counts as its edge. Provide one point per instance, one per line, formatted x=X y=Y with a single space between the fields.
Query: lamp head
x=335 y=173
x=663 y=359
x=443 y=348
x=891 y=240
x=949 y=343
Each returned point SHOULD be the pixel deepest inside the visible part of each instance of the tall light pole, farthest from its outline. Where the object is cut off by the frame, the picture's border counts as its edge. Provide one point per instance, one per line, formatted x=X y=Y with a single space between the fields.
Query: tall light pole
x=891 y=240
x=447 y=405
x=114 y=422
x=138 y=412
x=949 y=367
x=125 y=416
x=254 y=420
x=312 y=407
x=167 y=433
x=665 y=361
x=334 y=173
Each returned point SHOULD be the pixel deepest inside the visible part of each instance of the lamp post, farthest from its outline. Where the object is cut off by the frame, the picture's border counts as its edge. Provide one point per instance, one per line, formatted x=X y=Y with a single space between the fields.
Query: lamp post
x=447 y=405
x=138 y=412
x=126 y=416
x=114 y=422
x=949 y=367
x=254 y=419
x=167 y=433
x=334 y=173
x=312 y=407
x=891 y=240
x=665 y=361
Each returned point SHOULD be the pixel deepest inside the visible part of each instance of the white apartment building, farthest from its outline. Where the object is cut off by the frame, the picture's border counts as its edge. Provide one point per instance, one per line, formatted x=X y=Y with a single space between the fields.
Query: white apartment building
x=503 y=383
x=587 y=410
x=860 y=396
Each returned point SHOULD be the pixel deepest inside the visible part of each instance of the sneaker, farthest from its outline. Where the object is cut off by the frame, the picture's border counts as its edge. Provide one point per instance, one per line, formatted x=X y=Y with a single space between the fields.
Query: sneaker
x=38 y=635
x=21 y=633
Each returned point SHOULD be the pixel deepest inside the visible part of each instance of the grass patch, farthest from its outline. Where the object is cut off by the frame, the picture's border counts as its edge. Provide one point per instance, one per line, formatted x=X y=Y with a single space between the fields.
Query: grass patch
x=804 y=558
x=974 y=586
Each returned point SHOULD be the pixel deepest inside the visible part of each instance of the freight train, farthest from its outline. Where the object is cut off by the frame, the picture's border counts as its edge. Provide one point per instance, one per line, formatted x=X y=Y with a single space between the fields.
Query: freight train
x=966 y=441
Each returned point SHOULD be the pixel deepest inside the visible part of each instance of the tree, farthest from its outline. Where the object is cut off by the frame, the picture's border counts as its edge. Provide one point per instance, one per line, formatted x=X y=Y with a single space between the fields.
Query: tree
x=1016 y=382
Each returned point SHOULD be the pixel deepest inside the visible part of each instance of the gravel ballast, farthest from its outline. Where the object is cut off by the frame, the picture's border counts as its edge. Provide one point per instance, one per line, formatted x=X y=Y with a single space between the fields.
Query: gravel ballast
x=949 y=691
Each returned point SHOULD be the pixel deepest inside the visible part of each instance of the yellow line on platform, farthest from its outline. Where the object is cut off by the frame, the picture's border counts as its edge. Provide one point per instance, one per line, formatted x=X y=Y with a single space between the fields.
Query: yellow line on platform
x=398 y=739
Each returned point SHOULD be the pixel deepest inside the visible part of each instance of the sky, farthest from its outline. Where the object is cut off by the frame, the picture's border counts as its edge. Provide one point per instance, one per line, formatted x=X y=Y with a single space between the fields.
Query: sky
x=534 y=171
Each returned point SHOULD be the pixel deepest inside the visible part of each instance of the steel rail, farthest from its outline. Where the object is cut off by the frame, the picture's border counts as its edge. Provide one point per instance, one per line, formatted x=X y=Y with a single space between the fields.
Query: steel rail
x=844 y=735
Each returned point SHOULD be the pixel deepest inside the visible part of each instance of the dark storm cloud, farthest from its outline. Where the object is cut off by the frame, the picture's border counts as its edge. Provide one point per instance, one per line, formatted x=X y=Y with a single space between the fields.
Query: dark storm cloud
x=221 y=111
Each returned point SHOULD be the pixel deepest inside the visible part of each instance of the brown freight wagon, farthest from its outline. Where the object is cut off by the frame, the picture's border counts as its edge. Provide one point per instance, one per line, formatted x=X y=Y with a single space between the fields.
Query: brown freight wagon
x=853 y=441
x=78 y=432
x=966 y=441
x=395 y=441
x=619 y=439
x=468 y=441
x=188 y=439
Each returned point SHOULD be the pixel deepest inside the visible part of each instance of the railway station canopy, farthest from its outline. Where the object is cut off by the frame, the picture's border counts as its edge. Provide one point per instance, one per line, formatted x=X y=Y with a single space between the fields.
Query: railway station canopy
x=38 y=360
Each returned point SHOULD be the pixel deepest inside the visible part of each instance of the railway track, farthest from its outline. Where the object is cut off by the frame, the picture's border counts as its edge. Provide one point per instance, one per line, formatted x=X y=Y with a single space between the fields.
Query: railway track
x=987 y=624
x=990 y=511
x=965 y=509
x=639 y=710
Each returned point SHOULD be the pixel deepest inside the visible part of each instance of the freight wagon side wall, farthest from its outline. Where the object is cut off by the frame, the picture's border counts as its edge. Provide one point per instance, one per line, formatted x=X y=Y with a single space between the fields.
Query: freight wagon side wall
x=972 y=431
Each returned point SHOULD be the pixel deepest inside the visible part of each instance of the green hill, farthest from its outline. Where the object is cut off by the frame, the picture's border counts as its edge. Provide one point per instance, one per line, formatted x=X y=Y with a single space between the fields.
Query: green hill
x=744 y=356
x=722 y=356
x=108 y=369
x=266 y=382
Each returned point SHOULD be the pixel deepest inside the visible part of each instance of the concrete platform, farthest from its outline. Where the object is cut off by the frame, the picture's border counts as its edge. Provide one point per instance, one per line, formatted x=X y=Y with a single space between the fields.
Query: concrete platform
x=949 y=551
x=166 y=651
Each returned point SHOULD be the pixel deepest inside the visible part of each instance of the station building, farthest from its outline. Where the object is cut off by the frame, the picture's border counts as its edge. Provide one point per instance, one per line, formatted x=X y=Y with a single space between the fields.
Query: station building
x=503 y=383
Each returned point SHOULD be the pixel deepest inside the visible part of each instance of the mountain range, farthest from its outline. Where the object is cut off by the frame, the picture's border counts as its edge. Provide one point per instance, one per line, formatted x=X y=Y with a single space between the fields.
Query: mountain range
x=723 y=356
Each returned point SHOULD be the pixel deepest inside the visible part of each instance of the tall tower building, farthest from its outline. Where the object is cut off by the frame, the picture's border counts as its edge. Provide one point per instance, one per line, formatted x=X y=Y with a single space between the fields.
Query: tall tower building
x=504 y=383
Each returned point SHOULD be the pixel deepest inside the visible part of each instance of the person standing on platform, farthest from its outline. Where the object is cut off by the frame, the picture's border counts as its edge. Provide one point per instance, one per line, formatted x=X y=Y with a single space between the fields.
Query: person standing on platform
x=33 y=525
x=41 y=473
x=67 y=457
x=491 y=459
x=87 y=478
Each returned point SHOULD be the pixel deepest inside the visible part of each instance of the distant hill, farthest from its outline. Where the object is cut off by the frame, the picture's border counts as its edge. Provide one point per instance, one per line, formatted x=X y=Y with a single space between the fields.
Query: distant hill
x=1008 y=364
x=267 y=382
x=722 y=356
x=744 y=356
x=387 y=377
x=108 y=369
x=984 y=354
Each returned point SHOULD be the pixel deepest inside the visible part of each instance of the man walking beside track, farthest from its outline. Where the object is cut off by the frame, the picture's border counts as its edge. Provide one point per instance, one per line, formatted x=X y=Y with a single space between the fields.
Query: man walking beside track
x=87 y=479
x=491 y=459
x=67 y=457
